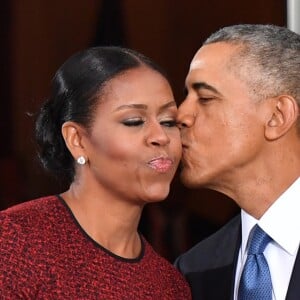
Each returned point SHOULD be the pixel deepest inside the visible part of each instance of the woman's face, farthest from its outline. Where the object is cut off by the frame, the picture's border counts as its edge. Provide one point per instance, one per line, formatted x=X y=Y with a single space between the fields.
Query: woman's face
x=134 y=145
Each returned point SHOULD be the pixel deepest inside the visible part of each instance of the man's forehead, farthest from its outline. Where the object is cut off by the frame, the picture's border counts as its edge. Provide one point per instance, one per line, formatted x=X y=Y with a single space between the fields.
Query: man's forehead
x=197 y=61
x=196 y=64
x=214 y=54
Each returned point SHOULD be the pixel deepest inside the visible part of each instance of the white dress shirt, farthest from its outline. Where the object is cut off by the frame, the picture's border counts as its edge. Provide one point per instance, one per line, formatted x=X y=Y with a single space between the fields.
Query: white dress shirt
x=282 y=223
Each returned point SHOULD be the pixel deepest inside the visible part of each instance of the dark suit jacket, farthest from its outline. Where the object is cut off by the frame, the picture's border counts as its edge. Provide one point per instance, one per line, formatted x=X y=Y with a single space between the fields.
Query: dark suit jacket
x=209 y=267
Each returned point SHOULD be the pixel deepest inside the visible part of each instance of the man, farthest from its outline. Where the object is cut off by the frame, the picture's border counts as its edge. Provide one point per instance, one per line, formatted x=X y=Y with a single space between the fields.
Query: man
x=240 y=130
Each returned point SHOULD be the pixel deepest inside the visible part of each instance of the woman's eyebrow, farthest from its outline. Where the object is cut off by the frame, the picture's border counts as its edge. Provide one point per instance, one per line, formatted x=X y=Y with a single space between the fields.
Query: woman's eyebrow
x=143 y=106
x=169 y=104
x=130 y=106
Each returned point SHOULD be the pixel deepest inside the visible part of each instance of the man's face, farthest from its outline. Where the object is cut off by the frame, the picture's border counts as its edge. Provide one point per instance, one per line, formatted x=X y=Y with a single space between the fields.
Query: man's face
x=222 y=127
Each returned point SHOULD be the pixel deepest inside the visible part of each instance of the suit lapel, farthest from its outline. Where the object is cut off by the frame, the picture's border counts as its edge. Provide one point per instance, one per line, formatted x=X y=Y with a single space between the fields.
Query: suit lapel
x=293 y=292
x=212 y=284
x=216 y=279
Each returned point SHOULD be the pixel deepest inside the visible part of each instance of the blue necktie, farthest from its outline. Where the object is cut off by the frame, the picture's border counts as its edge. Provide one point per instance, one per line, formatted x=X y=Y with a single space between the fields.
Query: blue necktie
x=255 y=283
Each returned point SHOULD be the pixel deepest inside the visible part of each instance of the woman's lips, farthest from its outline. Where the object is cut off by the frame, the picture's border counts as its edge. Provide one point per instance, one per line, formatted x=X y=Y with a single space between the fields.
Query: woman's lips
x=161 y=164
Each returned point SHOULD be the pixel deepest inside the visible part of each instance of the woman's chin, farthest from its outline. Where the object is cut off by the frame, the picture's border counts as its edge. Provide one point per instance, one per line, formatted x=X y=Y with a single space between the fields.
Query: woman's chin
x=157 y=194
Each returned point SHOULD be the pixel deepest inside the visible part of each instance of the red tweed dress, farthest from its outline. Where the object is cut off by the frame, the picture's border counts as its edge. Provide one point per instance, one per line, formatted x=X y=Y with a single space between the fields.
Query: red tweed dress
x=45 y=254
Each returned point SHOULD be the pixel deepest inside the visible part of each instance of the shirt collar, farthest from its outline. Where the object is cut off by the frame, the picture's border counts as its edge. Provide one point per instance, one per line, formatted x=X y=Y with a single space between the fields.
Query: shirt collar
x=281 y=221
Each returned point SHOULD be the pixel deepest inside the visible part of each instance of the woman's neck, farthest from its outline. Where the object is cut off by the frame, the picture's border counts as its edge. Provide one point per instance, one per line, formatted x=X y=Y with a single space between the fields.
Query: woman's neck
x=110 y=222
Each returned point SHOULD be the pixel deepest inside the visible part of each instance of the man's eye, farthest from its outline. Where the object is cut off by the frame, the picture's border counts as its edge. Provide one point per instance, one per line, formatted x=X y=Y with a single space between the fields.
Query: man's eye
x=133 y=122
x=204 y=100
x=168 y=123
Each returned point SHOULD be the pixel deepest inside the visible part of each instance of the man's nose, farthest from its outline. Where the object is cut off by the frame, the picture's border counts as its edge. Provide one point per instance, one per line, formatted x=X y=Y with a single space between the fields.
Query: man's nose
x=186 y=115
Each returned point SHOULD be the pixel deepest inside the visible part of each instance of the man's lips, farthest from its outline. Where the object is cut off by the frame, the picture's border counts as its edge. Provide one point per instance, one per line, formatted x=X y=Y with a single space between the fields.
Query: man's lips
x=161 y=164
x=184 y=146
x=184 y=143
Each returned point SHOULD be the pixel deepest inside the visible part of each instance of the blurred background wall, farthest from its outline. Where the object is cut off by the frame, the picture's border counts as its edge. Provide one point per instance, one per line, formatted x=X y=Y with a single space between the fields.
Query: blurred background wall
x=37 y=36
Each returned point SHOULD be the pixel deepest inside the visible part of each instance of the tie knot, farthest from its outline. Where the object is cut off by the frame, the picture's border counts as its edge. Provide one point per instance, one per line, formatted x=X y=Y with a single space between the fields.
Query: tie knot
x=259 y=241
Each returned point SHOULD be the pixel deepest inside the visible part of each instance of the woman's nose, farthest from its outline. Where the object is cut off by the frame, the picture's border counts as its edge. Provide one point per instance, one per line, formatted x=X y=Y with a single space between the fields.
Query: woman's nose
x=157 y=135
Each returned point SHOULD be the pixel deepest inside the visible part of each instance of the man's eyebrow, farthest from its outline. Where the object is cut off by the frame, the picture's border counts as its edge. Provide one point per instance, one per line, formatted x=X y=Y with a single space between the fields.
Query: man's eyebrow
x=203 y=85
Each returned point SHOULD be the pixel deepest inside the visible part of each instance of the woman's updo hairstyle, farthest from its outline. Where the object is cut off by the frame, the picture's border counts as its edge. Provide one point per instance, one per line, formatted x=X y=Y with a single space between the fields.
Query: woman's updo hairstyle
x=75 y=92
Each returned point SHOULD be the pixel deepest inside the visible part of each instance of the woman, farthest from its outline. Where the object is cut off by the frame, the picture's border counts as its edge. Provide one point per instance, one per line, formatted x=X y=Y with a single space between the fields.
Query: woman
x=109 y=127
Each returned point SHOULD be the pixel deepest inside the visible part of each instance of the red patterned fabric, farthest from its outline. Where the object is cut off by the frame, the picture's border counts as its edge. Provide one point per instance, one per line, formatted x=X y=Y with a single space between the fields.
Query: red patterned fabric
x=44 y=254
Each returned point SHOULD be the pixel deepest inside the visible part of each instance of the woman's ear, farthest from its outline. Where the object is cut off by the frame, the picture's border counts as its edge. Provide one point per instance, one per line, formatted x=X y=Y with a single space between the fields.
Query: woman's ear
x=283 y=116
x=73 y=135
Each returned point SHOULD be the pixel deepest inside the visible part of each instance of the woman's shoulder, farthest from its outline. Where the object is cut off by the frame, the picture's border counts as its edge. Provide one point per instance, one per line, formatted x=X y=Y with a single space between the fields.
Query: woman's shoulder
x=28 y=216
x=21 y=232
x=30 y=226
x=30 y=208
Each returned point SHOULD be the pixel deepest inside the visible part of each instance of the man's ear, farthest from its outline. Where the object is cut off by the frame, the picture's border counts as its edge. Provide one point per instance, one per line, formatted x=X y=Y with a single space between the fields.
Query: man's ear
x=283 y=116
x=73 y=135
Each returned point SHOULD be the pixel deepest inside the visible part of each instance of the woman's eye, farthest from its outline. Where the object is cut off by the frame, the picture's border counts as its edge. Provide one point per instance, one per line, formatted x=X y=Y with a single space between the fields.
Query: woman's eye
x=168 y=123
x=133 y=122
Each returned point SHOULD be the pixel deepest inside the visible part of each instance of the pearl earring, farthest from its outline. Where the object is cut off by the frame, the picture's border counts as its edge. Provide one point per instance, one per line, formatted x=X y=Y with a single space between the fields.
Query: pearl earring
x=81 y=160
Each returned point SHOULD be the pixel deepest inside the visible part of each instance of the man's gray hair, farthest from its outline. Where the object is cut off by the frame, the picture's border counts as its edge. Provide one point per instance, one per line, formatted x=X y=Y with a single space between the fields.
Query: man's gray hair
x=267 y=58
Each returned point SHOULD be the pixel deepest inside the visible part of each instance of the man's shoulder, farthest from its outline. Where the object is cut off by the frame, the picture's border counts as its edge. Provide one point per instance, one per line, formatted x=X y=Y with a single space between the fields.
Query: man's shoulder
x=209 y=251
